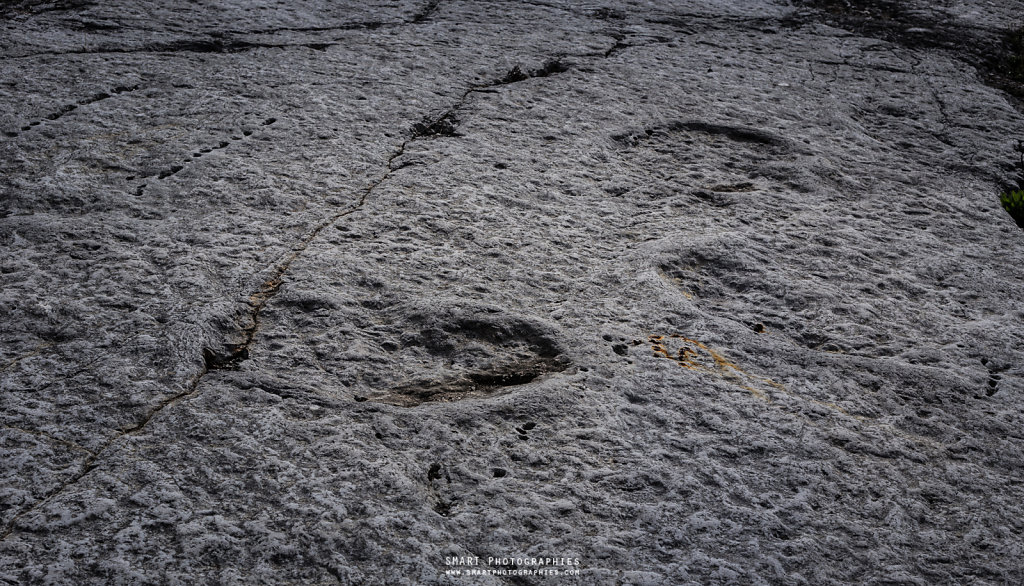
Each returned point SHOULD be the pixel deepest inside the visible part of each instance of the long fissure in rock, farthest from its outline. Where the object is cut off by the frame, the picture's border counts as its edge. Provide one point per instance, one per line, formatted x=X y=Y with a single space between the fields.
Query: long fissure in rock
x=230 y=355
x=233 y=354
x=214 y=360
x=91 y=460
x=228 y=45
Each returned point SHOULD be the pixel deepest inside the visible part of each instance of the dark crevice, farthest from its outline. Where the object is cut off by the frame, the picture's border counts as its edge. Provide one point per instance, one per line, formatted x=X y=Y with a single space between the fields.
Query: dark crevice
x=516 y=74
x=434 y=473
x=549 y=68
x=220 y=44
x=226 y=358
x=621 y=44
x=445 y=125
x=199 y=46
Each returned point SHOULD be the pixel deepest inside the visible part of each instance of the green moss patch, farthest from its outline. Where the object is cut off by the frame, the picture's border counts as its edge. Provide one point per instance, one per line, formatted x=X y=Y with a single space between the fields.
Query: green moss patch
x=1013 y=203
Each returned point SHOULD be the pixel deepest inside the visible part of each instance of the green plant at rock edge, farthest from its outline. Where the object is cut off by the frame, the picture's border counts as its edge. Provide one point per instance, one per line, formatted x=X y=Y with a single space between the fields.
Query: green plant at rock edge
x=1013 y=203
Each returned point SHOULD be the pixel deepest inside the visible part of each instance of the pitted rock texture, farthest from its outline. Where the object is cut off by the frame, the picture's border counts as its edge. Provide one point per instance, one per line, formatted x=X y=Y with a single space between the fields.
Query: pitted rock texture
x=692 y=292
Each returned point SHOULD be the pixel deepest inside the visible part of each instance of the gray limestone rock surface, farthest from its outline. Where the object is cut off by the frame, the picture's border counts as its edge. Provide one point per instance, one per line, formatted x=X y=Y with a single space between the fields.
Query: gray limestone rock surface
x=669 y=292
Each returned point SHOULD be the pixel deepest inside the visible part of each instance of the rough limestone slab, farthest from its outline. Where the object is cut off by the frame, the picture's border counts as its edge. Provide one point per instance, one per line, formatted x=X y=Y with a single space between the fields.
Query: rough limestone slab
x=692 y=292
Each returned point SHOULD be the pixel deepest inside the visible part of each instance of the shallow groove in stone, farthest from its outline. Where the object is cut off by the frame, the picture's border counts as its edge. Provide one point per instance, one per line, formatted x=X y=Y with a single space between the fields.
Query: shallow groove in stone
x=735 y=133
x=493 y=382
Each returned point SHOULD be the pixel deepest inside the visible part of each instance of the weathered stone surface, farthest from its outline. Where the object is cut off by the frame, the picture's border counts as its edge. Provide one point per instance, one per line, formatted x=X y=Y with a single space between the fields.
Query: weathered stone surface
x=691 y=292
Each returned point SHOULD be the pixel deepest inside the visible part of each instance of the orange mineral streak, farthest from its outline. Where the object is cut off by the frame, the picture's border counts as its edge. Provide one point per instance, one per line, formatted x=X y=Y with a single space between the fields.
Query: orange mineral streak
x=757 y=393
x=687 y=356
x=660 y=350
x=690 y=354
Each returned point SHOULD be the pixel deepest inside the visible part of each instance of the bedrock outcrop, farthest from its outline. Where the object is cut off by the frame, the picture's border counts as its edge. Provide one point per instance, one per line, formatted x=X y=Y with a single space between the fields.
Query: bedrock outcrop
x=679 y=291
